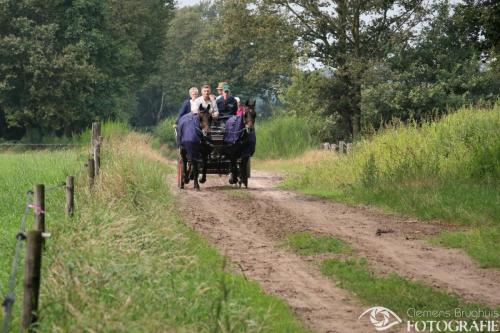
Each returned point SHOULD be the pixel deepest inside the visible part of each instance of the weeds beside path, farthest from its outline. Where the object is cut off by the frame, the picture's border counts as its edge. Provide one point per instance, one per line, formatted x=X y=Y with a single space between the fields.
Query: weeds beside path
x=447 y=170
x=127 y=263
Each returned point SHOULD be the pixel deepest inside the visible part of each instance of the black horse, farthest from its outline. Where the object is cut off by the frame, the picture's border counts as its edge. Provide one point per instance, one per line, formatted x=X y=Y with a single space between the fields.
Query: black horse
x=239 y=141
x=192 y=131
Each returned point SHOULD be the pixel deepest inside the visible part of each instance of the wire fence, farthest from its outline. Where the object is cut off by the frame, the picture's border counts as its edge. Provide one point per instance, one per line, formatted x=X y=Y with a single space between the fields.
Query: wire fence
x=35 y=200
x=13 y=144
x=10 y=297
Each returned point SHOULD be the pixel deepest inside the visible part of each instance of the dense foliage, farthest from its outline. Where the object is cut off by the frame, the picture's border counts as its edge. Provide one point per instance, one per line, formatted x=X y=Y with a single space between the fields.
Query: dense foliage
x=445 y=59
x=65 y=63
x=353 y=64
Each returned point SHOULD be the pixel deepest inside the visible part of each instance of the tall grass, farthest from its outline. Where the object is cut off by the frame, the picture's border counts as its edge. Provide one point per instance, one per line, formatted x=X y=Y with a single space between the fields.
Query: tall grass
x=448 y=169
x=164 y=132
x=108 y=129
x=285 y=136
x=127 y=263
x=19 y=172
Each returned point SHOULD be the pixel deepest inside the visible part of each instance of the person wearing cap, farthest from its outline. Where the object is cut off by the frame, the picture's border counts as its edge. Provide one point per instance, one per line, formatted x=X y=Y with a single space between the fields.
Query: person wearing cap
x=241 y=108
x=220 y=88
x=187 y=105
x=227 y=104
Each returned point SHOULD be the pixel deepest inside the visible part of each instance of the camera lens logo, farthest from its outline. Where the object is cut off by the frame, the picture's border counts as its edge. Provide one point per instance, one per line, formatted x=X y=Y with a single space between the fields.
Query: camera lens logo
x=382 y=318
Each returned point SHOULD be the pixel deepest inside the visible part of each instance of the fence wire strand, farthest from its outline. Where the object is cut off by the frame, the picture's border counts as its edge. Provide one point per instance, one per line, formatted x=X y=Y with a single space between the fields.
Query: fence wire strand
x=10 y=297
x=43 y=144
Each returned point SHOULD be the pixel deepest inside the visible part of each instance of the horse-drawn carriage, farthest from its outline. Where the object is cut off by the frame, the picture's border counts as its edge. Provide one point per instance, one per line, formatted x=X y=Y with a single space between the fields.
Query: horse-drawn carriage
x=225 y=149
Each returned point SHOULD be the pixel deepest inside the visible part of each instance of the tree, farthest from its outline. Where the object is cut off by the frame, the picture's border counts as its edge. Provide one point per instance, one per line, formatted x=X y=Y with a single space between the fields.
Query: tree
x=46 y=81
x=350 y=37
x=66 y=63
x=140 y=28
x=443 y=68
x=227 y=40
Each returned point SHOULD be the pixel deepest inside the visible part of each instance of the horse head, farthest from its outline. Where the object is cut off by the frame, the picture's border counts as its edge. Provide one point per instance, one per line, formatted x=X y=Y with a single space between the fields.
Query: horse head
x=249 y=115
x=204 y=117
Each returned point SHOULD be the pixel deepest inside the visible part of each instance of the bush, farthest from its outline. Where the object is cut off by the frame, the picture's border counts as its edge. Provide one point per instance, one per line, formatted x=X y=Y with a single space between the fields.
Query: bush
x=165 y=132
x=286 y=136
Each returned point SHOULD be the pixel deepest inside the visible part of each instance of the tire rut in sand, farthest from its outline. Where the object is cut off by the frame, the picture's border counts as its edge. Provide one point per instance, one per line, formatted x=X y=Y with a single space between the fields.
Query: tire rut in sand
x=390 y=243
x=244 y=232
x=249 y=232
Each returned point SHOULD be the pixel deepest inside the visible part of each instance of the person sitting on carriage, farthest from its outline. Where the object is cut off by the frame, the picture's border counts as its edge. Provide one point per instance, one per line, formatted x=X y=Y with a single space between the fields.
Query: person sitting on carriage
x=220 y=89
x=205 y=100
x=227 y=104
x=241 y=108
x=187 y=106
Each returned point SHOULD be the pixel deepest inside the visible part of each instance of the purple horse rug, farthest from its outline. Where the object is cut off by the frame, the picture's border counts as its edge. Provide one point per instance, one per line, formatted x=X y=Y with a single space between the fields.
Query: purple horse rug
x=189 y=136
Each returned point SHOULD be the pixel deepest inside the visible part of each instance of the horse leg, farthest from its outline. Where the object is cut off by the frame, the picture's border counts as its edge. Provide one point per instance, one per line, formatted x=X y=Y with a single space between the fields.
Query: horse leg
x=243 y=171
x=195 y=174
x=204 y=158
x=185 y=171
x=191 y=174
x=234 y=171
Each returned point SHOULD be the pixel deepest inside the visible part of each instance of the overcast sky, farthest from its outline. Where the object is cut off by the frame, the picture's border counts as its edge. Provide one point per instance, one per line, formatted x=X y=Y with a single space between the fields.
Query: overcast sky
x=183 y=3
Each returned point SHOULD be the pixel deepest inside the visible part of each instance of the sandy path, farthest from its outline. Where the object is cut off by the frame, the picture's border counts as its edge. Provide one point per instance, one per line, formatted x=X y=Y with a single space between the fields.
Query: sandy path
x=249 y=233
x=399 y=248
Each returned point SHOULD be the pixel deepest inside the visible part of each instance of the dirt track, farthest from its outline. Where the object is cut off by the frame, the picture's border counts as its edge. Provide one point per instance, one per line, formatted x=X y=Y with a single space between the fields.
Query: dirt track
x=249 y=231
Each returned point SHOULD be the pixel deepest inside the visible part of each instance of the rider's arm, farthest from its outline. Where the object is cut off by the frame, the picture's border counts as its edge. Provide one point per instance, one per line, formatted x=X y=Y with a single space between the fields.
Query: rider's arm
x=183 y=110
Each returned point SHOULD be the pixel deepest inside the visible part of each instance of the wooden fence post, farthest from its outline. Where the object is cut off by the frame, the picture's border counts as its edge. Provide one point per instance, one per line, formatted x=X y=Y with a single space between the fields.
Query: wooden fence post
x=341 y=147
x=349 y=148
x=91 y=172
x=39 y=207
x=70 y=195
x=32 y=275
x=96 y=146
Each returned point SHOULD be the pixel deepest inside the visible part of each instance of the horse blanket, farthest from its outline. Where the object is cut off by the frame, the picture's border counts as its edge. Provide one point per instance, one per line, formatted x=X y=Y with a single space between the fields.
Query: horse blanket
x=189 y=136
x=238 y=141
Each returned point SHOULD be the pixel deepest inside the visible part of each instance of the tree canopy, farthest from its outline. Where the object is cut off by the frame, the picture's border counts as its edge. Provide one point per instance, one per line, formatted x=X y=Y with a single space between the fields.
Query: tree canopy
x=354 y=64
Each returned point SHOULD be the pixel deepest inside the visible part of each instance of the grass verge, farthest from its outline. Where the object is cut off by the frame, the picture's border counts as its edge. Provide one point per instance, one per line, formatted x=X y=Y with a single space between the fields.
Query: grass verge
x=405 y=298
x=306 y=244
x=481 y=244
x=285 y=136
x=126 y=262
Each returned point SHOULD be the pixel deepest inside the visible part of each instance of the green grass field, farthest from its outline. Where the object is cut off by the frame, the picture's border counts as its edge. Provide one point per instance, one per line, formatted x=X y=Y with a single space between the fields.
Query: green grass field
x=126 y=262
x=447 y=170
x=19 y=173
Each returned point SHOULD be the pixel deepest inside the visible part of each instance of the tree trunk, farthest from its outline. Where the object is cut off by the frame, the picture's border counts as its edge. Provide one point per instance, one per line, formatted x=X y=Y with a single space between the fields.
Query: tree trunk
x=356 y=71
x=356 y=110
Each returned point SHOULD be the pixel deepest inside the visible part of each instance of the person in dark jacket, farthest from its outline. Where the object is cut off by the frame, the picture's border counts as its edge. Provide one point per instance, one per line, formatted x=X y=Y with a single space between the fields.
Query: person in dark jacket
x=187 y=105
x=227 y=104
